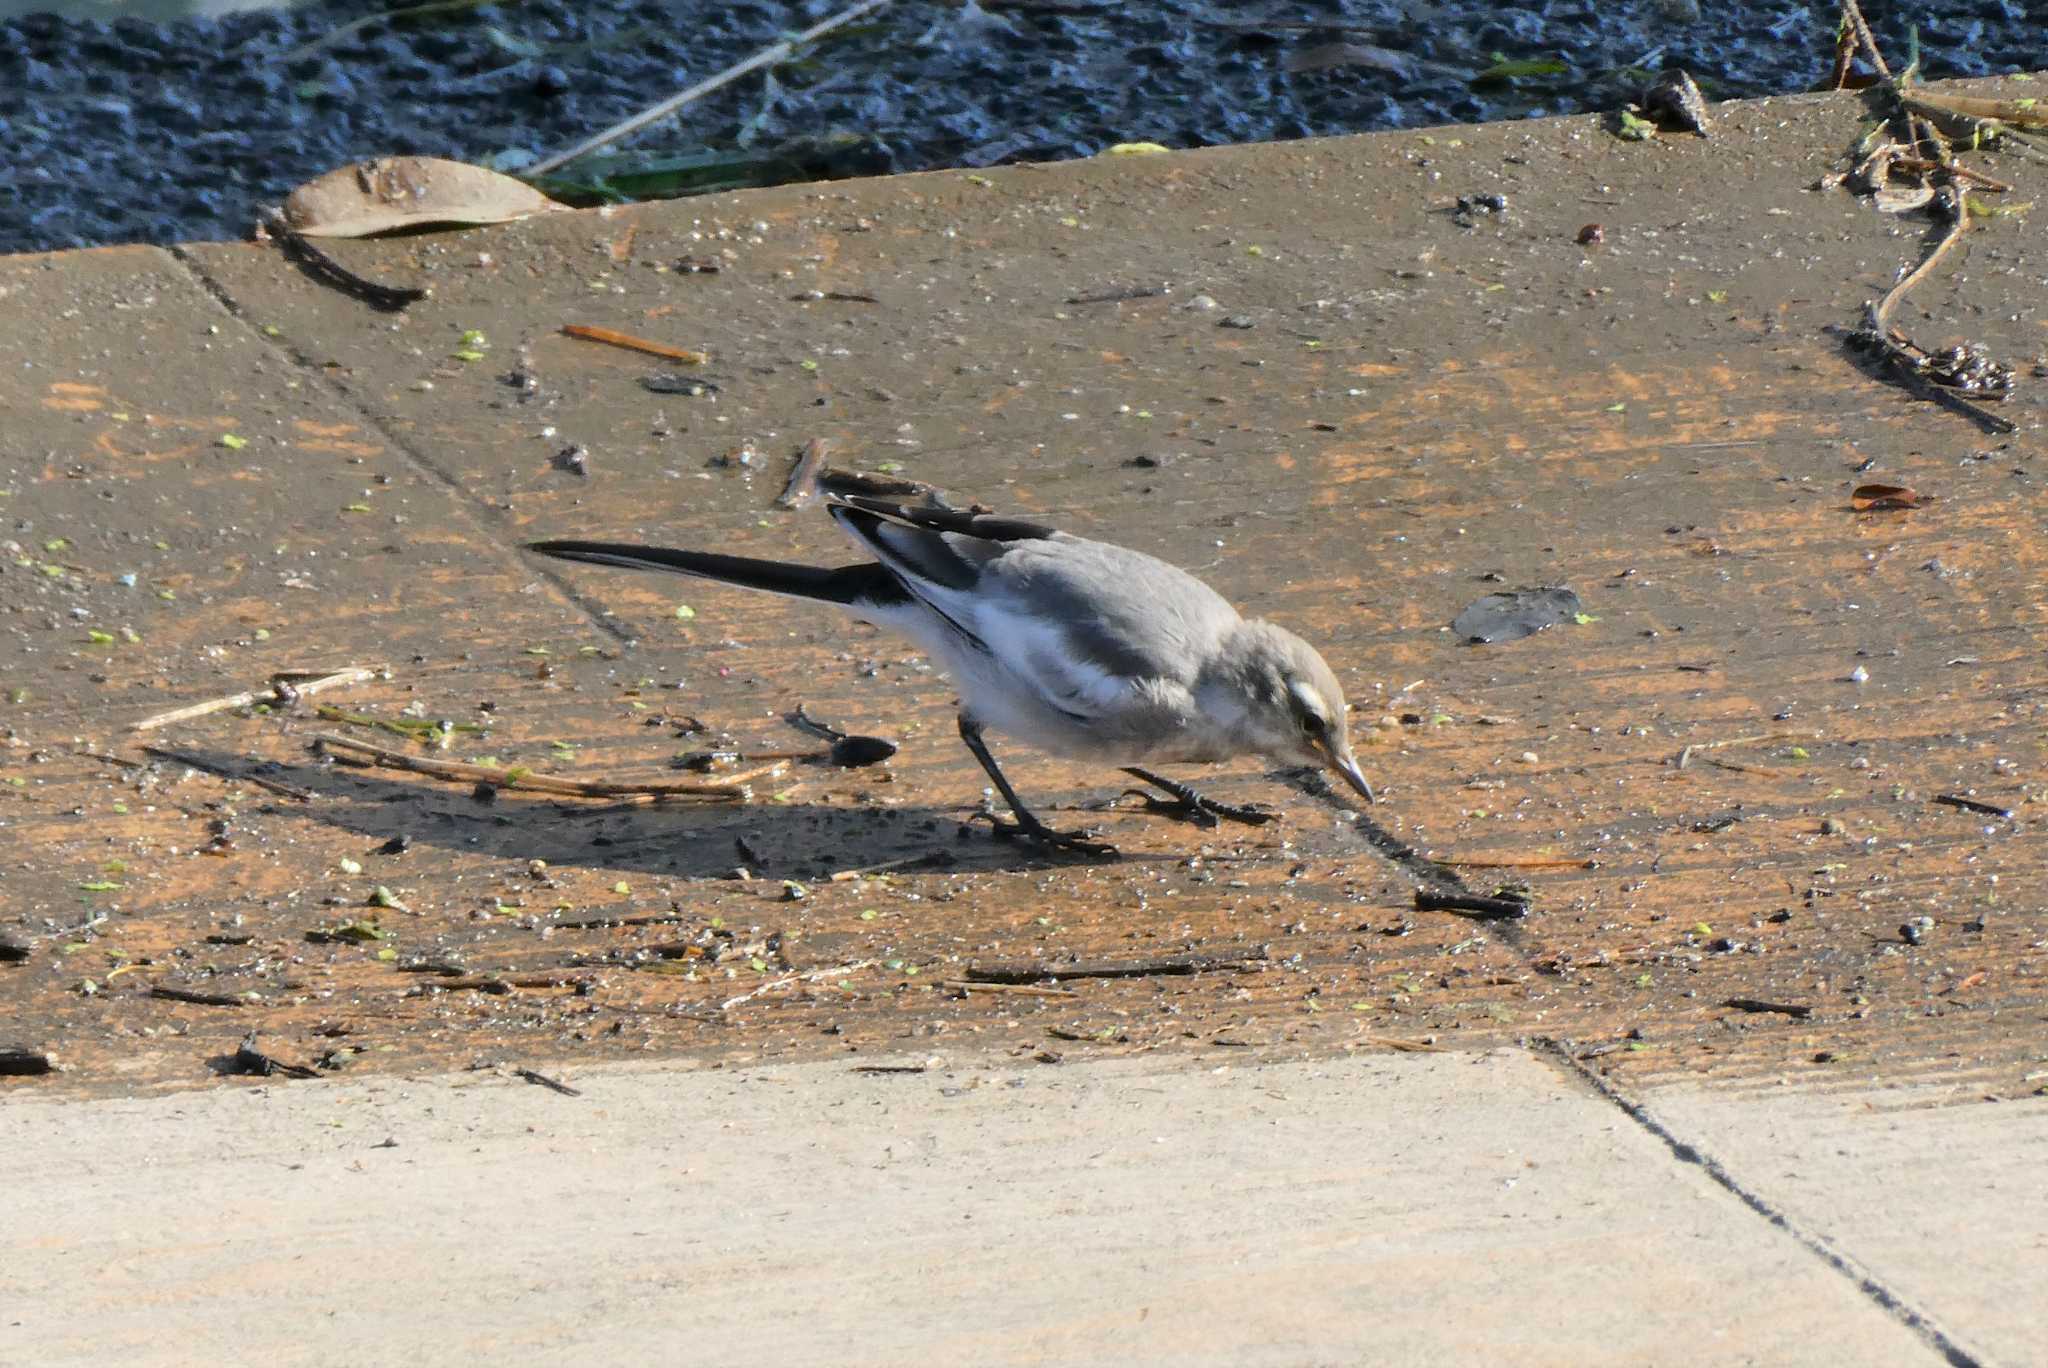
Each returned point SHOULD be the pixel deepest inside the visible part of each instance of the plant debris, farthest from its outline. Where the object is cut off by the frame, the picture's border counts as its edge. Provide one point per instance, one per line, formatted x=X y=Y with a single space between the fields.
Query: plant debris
x=391 y=193
x=1797 y=1011
x=1062 y=973
x=1673 y=100
x=286 y=686
x=1471 y=904
x=1912 y=144
x=612 y=337
x=731 y=788
x=1956 y=800
x=552 y=1085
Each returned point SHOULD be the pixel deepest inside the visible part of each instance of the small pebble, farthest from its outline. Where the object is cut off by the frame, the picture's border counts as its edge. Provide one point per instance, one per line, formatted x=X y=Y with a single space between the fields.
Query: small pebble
x=1859 y=675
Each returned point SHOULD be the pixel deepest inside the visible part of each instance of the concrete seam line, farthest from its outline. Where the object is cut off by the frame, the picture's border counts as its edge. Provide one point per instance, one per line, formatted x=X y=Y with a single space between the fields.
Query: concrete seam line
x=598 y=617
x=1890 y=1301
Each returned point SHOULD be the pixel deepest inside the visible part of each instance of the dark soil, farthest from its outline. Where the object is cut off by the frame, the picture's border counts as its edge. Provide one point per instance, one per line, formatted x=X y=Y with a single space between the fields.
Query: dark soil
x=133 y=131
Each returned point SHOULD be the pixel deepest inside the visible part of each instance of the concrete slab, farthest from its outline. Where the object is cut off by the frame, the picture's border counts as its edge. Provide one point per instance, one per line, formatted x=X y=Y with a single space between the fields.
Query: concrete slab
x=1442 y=1208
x=1421 y=410
x=1928 y=1189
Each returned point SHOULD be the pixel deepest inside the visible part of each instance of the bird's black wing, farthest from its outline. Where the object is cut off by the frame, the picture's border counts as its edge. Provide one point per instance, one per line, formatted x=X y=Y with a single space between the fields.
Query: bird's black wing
x=946 y=546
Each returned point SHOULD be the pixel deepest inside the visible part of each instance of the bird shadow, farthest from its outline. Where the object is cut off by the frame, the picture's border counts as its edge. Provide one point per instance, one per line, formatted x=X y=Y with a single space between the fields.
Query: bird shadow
x=683 y=839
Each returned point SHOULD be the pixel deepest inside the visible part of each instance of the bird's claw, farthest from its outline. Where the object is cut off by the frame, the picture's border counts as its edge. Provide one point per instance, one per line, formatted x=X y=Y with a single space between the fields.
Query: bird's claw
x=1201 y=811
x=1038 y=833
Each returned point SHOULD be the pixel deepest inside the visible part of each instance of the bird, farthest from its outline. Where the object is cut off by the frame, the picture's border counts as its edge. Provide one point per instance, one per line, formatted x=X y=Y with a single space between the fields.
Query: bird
x=1075 y=647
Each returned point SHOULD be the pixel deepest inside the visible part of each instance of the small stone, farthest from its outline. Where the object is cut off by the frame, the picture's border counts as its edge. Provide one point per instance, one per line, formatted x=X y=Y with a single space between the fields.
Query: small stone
x=1859 y=675
x=1201 y=304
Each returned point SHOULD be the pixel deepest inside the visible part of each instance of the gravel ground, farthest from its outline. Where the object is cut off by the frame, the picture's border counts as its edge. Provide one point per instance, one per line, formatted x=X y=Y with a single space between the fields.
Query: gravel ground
x=130 y=131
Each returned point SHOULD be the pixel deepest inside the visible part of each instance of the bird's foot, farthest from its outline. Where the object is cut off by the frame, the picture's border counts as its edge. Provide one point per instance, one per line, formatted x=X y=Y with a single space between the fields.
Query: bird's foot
x=1030 y=829
x=1200 y=811
x=1187 y=805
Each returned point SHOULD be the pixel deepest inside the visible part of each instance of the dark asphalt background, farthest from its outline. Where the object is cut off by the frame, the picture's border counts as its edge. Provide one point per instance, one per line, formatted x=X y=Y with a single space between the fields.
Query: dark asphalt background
x=130 y=131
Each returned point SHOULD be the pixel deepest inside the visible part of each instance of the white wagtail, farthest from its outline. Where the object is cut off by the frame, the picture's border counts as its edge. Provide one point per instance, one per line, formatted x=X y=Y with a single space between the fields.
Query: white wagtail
x=1076 y=647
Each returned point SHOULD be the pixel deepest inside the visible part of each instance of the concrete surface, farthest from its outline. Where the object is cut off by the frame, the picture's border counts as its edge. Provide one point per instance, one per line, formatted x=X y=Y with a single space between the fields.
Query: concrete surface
x=1721 y=1010
x=1421 y=411
x=1446 y=1208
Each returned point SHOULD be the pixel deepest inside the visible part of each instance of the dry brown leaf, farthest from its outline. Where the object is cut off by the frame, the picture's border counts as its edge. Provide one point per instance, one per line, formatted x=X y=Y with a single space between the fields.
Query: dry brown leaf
x=408 y=192
x=1873 y=498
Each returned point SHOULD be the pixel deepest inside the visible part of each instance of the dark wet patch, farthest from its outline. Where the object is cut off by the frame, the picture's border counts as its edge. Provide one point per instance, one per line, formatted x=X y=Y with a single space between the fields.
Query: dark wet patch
x=1512 y=616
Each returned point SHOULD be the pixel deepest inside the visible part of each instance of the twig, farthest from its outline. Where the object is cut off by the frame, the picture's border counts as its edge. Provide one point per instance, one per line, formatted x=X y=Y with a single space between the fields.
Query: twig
x=342 y=31
x=767 y=56
x=1514 y=862
x=1797 y=1011
x=1956 y=800
x=728 y=789
x=200 y=999
x=1740 y=769
x=211 y=767
x=1471 y=904
x=500 y=987
x=788 y=979
x=907 y=862
x=285 y=685
x=1685 y=756
x=1865 y=39
x=1040 y=973
x=1012 y=989
x=1401 y=1046
x=802 y=486
x=612 y=337
x=550 y=1084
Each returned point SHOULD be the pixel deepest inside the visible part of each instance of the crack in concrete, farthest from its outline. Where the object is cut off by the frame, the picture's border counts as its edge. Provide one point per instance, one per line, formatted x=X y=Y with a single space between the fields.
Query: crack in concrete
x=1887 y=1299
x=598 y=616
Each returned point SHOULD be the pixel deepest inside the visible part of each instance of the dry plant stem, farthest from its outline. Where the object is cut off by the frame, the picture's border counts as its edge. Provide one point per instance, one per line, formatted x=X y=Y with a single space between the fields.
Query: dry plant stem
x=767 y=56
x=729 y=789
x=1865 y=39
x=1880 y=315
x=1008 y=989
x=787 y=979
x=1513 y=862
x=612 y=337
x=299 y=682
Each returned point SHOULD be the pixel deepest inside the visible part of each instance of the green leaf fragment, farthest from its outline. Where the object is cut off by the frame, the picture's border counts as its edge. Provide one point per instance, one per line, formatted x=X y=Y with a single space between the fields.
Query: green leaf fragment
x=1633 y=128
x=99 y=886
x=232 y=442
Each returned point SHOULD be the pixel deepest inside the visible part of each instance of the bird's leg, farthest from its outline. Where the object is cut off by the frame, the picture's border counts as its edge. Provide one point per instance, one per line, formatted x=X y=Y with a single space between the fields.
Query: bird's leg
x=1191 y=805
x=1026 y=827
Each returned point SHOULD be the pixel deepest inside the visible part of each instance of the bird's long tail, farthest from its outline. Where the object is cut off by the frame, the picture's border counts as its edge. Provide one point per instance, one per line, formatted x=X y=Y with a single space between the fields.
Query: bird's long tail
x=847 y=584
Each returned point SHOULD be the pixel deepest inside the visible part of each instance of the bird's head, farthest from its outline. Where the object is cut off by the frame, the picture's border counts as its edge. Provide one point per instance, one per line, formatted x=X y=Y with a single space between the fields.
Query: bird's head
x=1294 y=707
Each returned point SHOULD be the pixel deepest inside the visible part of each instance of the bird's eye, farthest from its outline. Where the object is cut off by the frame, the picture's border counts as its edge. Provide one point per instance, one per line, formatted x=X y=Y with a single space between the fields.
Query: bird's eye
x=1312 y=724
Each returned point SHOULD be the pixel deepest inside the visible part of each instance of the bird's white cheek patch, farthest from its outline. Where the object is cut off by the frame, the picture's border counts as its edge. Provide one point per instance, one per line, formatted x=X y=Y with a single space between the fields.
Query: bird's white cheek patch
x=1311 y=702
